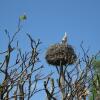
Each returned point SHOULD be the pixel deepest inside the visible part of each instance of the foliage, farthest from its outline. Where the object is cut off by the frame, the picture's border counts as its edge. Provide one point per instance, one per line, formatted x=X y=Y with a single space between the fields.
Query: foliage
x=96 y=80
x=96 y=65
x=23 y=17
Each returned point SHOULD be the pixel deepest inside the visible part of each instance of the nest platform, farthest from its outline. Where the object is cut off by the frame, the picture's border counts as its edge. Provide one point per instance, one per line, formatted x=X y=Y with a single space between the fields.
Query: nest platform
x=60 y=55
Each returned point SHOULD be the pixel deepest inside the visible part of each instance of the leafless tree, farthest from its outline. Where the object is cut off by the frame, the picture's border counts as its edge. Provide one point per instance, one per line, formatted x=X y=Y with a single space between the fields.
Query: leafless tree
x=74 y=80
x=20 y=75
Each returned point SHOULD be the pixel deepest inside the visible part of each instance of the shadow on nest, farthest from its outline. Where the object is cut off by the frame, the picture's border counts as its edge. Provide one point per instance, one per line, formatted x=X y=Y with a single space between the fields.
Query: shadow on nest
x=60 y=54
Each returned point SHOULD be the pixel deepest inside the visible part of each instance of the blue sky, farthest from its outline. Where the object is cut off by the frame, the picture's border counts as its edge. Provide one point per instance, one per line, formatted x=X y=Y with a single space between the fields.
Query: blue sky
x=49 y=19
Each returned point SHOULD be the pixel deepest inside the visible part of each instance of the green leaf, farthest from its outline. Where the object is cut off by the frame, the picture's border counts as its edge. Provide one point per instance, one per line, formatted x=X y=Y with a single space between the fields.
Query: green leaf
x=23 y=17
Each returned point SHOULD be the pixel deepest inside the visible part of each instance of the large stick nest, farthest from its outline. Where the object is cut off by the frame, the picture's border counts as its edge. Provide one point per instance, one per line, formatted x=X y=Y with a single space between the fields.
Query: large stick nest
x=60 y=54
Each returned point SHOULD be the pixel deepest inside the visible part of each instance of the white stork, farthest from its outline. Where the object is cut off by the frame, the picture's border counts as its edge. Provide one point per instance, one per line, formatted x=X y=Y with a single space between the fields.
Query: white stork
x=64 y=39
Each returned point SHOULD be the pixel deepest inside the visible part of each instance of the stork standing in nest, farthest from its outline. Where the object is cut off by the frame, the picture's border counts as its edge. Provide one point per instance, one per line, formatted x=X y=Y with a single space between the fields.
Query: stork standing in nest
x=64 y=39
